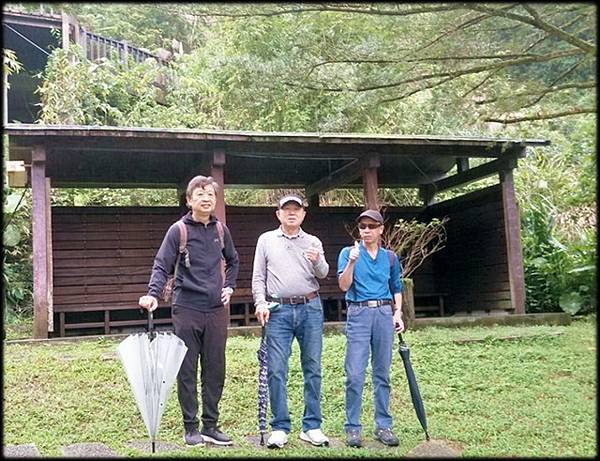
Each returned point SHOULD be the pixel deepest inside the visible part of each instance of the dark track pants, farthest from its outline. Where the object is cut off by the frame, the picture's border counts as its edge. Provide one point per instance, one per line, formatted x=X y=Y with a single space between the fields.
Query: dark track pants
x=205 y=335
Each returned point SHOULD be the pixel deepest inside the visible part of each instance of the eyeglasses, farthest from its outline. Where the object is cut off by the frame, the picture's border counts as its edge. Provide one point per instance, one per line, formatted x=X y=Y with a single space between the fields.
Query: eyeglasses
x=370 y=226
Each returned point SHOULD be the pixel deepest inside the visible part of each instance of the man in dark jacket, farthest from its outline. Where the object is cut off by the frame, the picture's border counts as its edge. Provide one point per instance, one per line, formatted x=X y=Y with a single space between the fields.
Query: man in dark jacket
x=198 y=306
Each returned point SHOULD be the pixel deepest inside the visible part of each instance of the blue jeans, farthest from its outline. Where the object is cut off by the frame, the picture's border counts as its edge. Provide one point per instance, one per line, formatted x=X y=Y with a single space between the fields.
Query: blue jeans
x=368 y=330
x=305 y=323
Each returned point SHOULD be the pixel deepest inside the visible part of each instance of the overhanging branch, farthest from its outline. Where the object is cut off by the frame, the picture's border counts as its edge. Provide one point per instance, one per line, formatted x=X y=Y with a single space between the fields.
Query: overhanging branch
x=543 y=115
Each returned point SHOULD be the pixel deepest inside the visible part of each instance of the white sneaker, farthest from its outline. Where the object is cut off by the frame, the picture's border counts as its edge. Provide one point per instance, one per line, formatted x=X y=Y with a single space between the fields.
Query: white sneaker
x=277 y=439
x=314 y=436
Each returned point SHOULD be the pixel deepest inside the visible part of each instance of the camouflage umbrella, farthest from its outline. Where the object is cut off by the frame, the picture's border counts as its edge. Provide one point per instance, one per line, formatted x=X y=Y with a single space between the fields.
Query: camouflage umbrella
x=262 y=386
x=415 y=395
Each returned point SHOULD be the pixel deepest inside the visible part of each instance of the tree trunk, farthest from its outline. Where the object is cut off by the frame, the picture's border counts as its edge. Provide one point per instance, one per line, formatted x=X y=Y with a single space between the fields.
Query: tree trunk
x=408 y=304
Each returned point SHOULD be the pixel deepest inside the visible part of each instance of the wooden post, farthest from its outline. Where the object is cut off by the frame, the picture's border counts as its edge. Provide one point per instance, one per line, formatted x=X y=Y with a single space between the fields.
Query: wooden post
x=217 y=172
x=427 y=194
x=66 y=31
x=408 y=304
x=4 y=98
x=76 y=30
x=512 y=225
x=84 y=42
x=370 y=182
x=39 y=217
x=50 y=290
x=125 y=54
x=313 y=201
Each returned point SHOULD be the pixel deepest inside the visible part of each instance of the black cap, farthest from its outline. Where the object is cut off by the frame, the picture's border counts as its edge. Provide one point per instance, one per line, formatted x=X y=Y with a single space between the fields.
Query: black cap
x=290 y=198
x=373 y=214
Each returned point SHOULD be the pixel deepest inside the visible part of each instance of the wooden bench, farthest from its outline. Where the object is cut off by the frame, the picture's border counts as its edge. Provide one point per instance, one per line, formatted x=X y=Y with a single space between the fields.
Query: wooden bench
x=107 y=322
x=428 y=303
x=425 y=305
x=241 y=311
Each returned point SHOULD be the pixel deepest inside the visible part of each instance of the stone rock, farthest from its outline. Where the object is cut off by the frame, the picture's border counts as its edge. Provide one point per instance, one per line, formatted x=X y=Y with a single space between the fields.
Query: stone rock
x=88 y=450
x=28 y=450
x=159 y=447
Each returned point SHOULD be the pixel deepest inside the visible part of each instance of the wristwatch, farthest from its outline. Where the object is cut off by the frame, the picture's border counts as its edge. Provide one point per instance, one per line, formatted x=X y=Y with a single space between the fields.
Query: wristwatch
x=228 y=290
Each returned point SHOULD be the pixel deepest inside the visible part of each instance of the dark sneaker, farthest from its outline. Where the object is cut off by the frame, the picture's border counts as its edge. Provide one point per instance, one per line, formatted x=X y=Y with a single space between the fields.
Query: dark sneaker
x=387 y=437
x=214 y=435
x=353 y=439
x=193 y=438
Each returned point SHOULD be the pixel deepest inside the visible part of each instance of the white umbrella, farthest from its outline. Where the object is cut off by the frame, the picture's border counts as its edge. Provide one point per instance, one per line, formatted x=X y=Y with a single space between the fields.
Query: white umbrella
x=151 y=362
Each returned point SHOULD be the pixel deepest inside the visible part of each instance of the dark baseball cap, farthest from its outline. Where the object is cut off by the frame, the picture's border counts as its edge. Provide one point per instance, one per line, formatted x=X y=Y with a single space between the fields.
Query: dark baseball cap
x=373 y=214
x=290 y=198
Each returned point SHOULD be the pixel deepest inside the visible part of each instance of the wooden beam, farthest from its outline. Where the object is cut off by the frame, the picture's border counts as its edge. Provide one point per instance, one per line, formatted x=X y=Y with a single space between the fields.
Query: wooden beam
x=462 y=164
x=39 y=217
x=474 y=174
x=512 y=227
x=339 y=177
x=370 y=182
x=217 y=171
x=427 y=194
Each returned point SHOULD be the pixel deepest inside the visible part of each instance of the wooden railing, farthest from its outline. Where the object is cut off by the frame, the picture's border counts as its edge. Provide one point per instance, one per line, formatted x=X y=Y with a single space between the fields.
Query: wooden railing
x=97 y=47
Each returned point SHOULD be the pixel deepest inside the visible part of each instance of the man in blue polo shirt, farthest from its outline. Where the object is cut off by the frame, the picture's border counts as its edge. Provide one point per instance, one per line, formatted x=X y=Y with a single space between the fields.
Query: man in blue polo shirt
x=370 y=277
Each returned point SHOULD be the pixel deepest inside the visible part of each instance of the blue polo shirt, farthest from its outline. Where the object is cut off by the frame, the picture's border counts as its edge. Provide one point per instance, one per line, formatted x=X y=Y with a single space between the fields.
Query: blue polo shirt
x=372 y=277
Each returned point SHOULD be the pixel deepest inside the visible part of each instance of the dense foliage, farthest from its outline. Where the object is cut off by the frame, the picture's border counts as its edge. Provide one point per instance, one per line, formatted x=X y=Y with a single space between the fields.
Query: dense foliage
x=361 y=68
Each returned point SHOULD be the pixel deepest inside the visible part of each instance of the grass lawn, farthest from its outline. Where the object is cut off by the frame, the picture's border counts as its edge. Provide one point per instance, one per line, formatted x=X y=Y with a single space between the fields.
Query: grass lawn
x=534 y=396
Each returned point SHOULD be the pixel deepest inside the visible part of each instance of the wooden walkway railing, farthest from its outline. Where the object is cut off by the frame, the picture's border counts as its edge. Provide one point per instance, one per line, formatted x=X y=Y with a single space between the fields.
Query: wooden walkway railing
x=96 y=47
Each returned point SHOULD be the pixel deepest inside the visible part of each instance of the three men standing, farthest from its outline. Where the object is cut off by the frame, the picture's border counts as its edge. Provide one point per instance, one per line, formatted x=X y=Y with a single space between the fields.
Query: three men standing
x=287 y=264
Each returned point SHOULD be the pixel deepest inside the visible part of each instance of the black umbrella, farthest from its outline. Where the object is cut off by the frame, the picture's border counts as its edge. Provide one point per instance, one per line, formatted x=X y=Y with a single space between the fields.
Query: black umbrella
x=262 y=386
x=415 y=395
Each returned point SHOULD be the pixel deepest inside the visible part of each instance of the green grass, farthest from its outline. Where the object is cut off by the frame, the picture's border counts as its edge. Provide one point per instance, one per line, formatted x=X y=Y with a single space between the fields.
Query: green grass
x=531 y=397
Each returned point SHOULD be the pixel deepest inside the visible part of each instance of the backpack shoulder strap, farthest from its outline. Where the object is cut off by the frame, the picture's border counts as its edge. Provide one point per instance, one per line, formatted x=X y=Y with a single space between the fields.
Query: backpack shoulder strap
x=391 y=256
x=182 y=235
x=221 y=233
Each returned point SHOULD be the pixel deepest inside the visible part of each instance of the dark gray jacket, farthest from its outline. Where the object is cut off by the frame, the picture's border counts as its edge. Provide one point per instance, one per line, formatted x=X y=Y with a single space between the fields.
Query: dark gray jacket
x=198 y=287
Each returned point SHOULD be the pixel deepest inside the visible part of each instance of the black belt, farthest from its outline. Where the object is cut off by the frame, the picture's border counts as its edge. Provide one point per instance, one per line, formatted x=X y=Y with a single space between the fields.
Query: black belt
x=302 y=299
x=371 y=303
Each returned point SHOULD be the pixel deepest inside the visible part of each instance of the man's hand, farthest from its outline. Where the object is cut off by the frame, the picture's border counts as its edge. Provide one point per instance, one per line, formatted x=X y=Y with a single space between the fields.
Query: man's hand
x=354 y=252
x=226 y=293
x=398 y=322
x=312 y=254
x=262 y=314
x=148 y=302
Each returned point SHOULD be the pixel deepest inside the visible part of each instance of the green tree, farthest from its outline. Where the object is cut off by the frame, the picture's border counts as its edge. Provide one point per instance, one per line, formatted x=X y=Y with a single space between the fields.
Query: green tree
x=512 y=62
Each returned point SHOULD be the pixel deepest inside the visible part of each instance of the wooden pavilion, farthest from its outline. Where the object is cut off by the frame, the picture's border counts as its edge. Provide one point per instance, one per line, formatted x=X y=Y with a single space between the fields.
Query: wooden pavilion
x=91 y=264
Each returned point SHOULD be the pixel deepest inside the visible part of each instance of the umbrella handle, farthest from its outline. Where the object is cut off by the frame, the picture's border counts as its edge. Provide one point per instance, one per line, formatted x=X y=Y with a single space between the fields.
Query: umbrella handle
x=262 y=332
x=399 y=335
x=151 y=324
